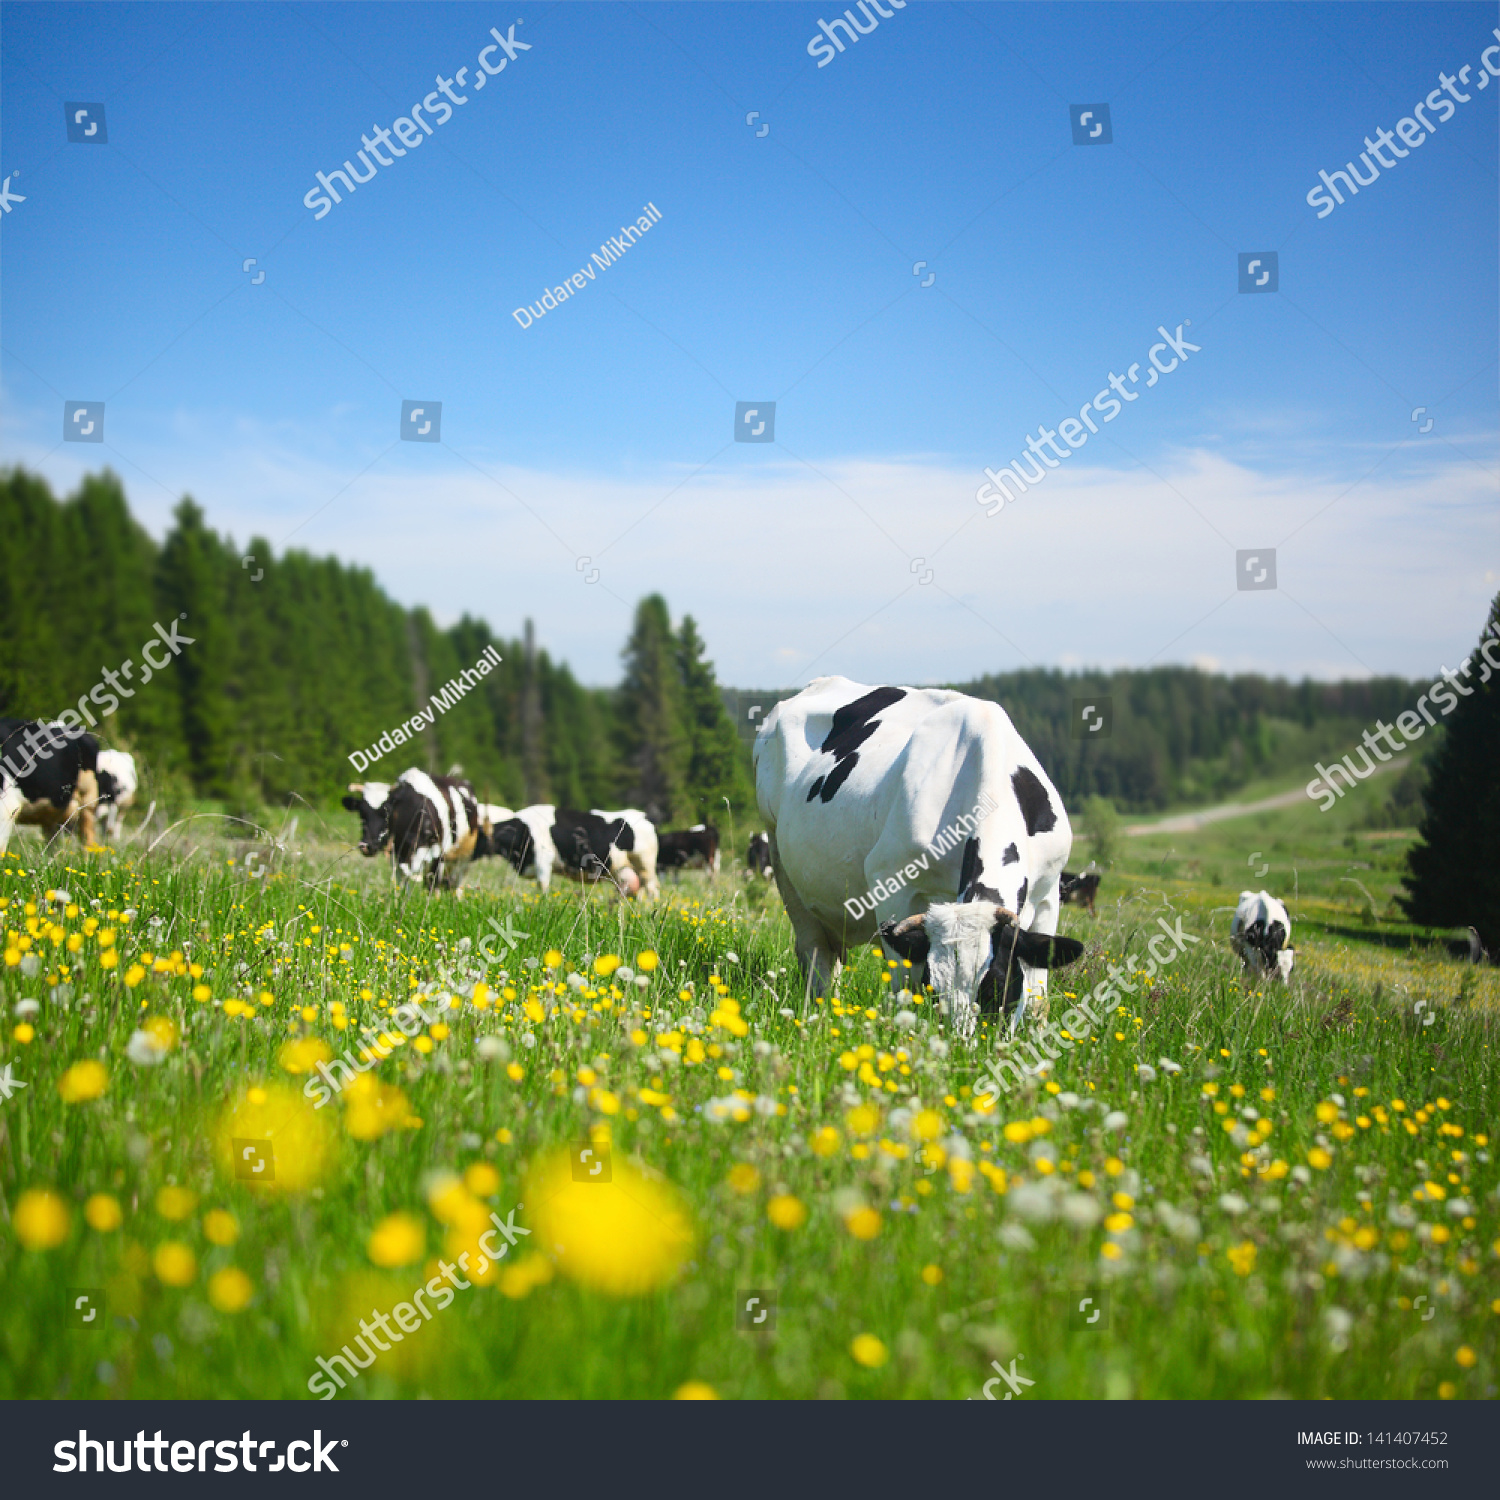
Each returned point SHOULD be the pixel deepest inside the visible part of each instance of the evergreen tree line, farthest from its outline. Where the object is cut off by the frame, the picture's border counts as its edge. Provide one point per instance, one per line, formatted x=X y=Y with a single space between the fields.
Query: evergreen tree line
x=296 y=661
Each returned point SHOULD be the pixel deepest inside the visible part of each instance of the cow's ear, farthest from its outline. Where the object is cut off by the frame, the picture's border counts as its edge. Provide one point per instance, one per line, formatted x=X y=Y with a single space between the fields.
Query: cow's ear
x=1044 y=952
x=908 y=939
x=1036 y=949
x=351 y=802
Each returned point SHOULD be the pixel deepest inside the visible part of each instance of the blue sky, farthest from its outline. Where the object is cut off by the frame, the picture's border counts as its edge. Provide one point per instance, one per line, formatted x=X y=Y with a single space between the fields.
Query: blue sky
x=781 y=269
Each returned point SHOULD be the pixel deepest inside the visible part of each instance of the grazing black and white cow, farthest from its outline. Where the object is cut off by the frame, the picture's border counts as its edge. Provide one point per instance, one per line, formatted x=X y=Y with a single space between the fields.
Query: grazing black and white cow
x=1259 y=933
x=758 y=856
x=639 y=843
x=543 y=841
x=47 y=776
x=1080 y=890
x=920 y=816
x=118 y=785
x=430 y=823
x=695 y=848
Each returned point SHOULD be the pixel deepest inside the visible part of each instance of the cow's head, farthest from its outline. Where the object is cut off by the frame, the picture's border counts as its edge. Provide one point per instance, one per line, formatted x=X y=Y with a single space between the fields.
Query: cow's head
x=371 y=800
x=510 y=841
x=1266 y=951
x=971 y=953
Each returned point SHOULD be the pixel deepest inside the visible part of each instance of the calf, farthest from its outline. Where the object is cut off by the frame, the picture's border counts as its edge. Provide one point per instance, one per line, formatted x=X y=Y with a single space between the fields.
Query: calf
x=47 y=777
x=117 y=788
x=430 y=823
x=542 y=840
x=918 y=816
x=1258 y=934
x=758 y=857
x=695 y=848
x=1079 y=889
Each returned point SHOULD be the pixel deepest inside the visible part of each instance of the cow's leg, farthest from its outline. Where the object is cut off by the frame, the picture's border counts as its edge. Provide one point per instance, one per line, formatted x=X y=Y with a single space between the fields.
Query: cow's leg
x=820 y=954
x=1046 y=906
x=12 y=800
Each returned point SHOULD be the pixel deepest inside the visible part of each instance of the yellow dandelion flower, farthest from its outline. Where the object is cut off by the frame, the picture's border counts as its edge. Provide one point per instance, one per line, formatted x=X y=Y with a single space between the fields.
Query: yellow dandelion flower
x=220 y=1227
x=1466 y=1357
x=646 y=961
x=482 y=1180
x=299 y=1139
x=625 y=1237
x=863 y=1223
x=397 y=1240
x=932 y=1275
x=303 y=1054
x=694 y=1390
x=230 y=1290
x=522 y=1278
x=174 y=1264
x=786 y=1212
x=83 y=1081
x=133 y=976
x=827 y=1141
x=606 y=964
x=1242 y=1257
x=863 y=1119
x=24 y=1033
x=743 y=1178
x=41 y=1219
x=552 y=958
x=103 y=1213
x=869 y=1351
x=1319 y=1159
x=176 y=1202
x=202 y=994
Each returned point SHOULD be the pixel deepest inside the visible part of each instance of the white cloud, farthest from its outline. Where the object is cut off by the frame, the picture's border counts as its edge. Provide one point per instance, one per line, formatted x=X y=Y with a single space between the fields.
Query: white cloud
x=792 y=572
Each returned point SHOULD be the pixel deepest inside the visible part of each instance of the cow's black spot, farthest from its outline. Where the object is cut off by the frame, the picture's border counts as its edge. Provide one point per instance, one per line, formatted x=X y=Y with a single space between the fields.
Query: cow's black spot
x=1021 y=895
x=852 y=725
x=970 y=871
x=1010 y=856
x=1035 y=804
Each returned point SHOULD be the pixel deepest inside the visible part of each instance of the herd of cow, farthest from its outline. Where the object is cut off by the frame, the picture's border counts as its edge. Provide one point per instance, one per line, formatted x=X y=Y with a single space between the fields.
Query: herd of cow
x=854 y=784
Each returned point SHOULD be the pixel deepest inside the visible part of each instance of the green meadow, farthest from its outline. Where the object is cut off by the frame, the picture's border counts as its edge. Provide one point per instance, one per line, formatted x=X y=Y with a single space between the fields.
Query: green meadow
x=1263 y=1192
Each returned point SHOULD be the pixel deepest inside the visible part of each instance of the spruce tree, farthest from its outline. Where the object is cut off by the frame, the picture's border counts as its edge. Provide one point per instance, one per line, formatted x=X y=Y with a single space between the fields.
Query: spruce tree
x=651 y=740
x=1453 y=878
x=717 y=768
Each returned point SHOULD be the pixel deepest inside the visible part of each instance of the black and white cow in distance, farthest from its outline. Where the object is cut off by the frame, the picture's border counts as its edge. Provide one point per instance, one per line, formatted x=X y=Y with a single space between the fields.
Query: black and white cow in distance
x=430 y=823
x=640 y=844
x=1080 y=889
x=758 y=856
x=543 y=841
x=48 y=775
x=1259 y=933
x=118 y=784
x=695 y=848
x=865 y=788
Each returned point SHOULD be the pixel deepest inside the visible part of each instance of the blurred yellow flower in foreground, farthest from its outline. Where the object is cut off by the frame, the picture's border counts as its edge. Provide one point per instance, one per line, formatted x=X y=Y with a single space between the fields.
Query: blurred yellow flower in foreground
x=646 y=960
x=174 y=1264
x=482 y=1180
x=102 y=1212
x=299 y=1138
x=230 y=1290
x=529 y=1272
x=220 y=1227
x=869 y=1351
x=786 y=1212
x=863 y=1223
x=932 y=1275
x=695 y=1390
x=624 y=1237
x=397 y=1240
x=84 y=1080
x=303 y=1054
x=372 y=1108
x=41 y=1219
x=1242 y=1257
x=743 y=1178
x=176 y=1202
